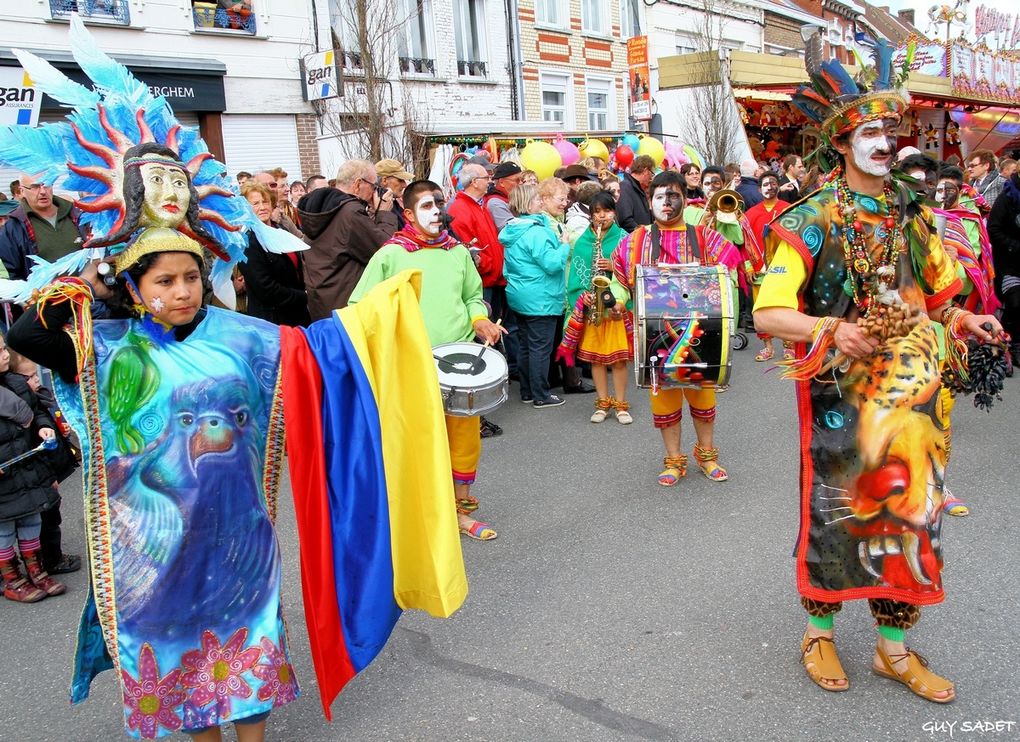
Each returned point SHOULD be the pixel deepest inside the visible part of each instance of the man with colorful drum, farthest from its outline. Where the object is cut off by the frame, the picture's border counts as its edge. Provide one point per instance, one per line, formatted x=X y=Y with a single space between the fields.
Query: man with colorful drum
x=671 y=241
x=451 y=302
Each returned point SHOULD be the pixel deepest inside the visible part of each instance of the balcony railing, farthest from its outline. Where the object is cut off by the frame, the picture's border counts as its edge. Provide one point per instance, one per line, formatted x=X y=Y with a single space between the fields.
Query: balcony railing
x=471 y=69
x=210 y=18
x=412 y=65
x=351 y=62
x=113 y=11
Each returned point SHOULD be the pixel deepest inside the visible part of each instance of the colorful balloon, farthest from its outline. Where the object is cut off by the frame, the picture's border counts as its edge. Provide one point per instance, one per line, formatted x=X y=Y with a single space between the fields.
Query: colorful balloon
x=595 y=148
x=675 y=156
x=631 y=140
x=569 y=154
x=459 y=160
x=653 y=148
x=624 y=155
x=693 y=156
x=541 y=157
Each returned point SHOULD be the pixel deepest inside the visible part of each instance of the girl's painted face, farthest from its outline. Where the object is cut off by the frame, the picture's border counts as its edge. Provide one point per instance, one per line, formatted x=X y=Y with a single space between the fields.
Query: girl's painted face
x=261 y=206
x=172 y=288
x=947 y=193
x=769 y=187
x=602 y=219
x=5 y=357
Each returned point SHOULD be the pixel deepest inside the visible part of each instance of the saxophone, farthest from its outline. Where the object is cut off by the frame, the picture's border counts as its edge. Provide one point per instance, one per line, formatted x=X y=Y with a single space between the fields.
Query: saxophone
x=599 y=287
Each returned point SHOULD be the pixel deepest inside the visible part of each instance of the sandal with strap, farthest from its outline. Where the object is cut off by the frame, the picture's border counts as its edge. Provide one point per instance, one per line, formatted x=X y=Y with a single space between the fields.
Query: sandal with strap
x=467 y=505
x=622 y=408
x=788 y=354
x=676 y=469
x=478 y=531
x=765 y=354
x=917 y=677
x=602 y=407
x=818 y=655
x=708 y=462
x=953 y=505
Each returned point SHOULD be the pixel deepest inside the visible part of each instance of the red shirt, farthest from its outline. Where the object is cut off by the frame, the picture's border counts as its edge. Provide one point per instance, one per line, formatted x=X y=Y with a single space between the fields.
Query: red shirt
x=471 y=221
x=758 y=216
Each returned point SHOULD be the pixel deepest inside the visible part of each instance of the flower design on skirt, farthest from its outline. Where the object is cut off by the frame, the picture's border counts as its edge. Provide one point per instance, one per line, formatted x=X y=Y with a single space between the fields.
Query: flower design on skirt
x=151 y=699
x=277 y=675
x=214 y=671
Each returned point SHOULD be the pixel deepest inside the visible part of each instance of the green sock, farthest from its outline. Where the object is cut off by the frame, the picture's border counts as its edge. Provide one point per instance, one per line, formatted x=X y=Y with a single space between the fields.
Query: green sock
x=822 y=623
x=891 y=633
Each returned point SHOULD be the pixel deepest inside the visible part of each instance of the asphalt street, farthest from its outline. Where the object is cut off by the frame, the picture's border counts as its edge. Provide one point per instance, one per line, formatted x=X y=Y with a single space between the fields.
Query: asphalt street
x=610 y=608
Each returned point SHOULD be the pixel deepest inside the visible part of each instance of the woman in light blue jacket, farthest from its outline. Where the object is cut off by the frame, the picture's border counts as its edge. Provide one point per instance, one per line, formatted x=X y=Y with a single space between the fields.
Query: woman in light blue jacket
x=535 y=251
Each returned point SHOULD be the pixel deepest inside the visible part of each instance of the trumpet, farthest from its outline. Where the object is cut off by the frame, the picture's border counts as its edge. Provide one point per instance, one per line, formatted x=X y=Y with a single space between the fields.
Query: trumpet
x=726 y=205
x=599 y=287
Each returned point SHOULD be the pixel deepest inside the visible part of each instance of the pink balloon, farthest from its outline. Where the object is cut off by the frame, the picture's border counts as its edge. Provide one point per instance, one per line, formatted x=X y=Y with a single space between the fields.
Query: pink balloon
x=624 y=156
x=675 y=156
x=569 y=152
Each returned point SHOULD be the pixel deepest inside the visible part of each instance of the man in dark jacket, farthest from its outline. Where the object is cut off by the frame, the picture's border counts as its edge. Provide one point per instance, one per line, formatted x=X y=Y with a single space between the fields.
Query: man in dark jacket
x=748 y=187
x=344 y=226
x=44 y=225
x=632 y=208
x=1004 y=234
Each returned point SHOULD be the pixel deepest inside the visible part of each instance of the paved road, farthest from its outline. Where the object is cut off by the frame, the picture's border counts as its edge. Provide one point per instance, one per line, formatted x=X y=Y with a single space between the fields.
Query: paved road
x=611 y=609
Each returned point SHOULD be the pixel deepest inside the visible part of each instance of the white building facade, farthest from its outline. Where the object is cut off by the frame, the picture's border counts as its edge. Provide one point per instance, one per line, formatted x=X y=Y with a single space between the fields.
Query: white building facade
x=237 y=76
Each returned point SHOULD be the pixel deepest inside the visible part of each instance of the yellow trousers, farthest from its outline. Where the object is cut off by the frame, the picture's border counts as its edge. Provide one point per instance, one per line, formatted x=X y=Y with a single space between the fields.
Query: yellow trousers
x=668 y=405
x=465 y=436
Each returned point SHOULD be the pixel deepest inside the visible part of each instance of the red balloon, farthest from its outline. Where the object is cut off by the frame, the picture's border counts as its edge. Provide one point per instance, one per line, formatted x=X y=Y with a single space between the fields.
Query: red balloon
x=624 y=156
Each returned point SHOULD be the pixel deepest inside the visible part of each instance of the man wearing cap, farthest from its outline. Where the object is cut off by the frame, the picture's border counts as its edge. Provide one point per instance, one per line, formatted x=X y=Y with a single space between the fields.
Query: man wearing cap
x=43 y=225
x=505 y=178
x=393 y=176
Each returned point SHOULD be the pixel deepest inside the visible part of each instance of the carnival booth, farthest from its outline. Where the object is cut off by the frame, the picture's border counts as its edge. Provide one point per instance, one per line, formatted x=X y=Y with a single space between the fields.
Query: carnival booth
x=962 y=98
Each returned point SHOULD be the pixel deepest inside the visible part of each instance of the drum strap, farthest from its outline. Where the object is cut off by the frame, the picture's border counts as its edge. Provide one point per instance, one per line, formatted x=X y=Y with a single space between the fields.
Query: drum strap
x=692 y=240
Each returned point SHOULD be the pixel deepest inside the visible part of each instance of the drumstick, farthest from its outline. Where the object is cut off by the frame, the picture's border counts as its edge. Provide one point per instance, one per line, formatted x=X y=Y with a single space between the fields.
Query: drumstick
x=482 y=351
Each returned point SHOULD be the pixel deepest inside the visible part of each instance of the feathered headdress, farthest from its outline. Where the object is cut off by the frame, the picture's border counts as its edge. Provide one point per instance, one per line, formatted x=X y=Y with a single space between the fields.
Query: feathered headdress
x=97 y=150
x=839 y=103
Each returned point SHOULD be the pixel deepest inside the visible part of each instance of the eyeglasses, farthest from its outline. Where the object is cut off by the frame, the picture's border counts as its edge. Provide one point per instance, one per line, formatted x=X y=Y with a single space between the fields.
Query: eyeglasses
x=34 y=187
x=972 y=165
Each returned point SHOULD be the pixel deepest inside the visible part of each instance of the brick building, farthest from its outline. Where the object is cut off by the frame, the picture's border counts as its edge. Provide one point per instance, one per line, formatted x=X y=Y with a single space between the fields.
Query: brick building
x=574 y=61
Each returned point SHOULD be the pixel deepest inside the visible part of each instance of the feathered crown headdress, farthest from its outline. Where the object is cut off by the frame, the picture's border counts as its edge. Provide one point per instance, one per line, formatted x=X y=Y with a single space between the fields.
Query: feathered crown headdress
x=837 y=102
x=113 y=133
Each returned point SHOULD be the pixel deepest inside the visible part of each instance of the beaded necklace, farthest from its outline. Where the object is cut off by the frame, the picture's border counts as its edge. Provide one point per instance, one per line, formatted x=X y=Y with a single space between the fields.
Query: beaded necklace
x=862 y=274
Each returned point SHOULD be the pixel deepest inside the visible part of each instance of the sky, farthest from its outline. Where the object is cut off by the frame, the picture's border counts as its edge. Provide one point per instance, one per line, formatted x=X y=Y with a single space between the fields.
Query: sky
x=921 y=7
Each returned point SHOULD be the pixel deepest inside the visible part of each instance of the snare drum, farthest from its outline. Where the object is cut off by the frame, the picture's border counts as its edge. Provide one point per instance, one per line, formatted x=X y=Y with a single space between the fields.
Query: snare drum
x=683 y=326
x=473 y=378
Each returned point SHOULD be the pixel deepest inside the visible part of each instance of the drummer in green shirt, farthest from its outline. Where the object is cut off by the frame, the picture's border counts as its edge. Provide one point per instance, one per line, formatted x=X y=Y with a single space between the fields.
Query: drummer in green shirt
x=451 y=303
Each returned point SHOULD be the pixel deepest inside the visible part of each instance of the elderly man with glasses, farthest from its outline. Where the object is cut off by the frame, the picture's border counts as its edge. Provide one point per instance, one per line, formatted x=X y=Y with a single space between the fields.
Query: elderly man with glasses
x=984 y=176
x=44 y=224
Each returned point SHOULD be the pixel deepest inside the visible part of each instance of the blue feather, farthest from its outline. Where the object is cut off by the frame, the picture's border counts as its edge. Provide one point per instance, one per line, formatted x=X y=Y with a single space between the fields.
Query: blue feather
x=37 y=151
x=882 y=53
x=107 y=74
x=55 y=83
x=842 y=84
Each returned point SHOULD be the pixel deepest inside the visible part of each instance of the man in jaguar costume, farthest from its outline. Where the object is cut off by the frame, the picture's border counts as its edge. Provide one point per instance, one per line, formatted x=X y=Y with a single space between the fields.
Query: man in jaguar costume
x=857 y=279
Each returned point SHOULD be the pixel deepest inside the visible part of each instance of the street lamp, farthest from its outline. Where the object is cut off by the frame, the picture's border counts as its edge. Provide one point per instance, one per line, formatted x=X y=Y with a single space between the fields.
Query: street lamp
x=949 y=15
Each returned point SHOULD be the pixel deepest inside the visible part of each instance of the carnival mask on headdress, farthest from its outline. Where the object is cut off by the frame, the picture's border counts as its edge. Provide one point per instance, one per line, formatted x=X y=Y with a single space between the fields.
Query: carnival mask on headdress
x=135 y=167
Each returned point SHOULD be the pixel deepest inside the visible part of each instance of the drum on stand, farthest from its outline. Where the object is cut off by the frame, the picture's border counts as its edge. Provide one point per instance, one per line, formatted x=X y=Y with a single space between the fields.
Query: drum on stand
x=473 y=378
x=683 y=326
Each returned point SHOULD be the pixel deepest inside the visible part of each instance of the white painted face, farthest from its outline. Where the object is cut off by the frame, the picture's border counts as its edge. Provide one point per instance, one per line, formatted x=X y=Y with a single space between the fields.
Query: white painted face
x=873 y=145
x=667 y=204
x=427 y=213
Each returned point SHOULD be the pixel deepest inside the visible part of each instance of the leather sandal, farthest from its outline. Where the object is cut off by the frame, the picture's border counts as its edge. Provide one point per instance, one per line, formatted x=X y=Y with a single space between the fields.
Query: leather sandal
x=676 y=469
x=765 y=354
x=708 y=462
x=478 y=531
x=818 y=655
x=788 y=354
x=917 y=677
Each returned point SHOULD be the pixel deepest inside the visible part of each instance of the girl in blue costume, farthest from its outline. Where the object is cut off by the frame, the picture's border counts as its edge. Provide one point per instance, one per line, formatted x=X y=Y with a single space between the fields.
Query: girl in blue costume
x=184 y=448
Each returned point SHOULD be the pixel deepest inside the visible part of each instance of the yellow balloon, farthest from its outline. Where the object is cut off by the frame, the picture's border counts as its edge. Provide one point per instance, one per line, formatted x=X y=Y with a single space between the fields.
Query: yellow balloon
x=594 y=148
x=541 y=157
x=653 y=148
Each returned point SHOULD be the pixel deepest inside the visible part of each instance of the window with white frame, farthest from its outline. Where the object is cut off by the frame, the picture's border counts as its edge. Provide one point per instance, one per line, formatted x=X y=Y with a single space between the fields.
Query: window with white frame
x=414 y=45
x=595 y=17
x=551 y=12
x=469 y=26
x=630 y=18
x=685 y=44
x=555 y=91
x=343 y=20
x=601 y=106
